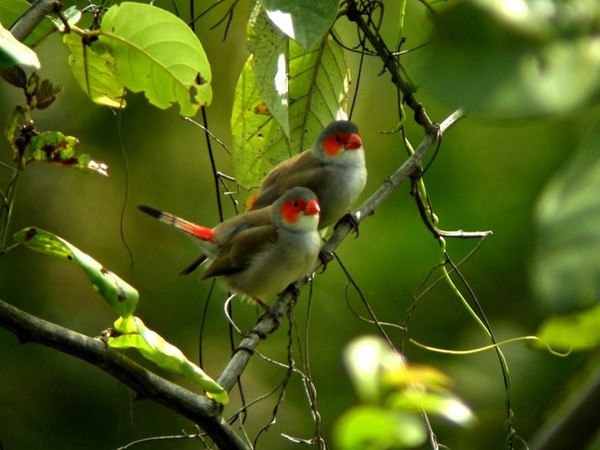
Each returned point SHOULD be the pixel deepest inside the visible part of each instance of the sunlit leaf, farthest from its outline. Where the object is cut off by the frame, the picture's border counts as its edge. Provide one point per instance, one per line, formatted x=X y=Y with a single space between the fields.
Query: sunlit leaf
x=270 y=67
x=11 y=10
x=578 y=331
x=118 y=294
x=369 y=427
x=305 y=22
x=514 y=59
x=54 y=147
x=566 y=270
x=14 y=53
x=94 y=72
x=442 y=404
x=318 y=91
x=158 y=54
x=367 y=360
x=154 y=348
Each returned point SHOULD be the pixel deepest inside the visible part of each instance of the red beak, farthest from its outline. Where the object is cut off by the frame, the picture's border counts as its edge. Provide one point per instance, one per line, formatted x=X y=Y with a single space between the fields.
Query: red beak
x=312 y=208
x=354 y=142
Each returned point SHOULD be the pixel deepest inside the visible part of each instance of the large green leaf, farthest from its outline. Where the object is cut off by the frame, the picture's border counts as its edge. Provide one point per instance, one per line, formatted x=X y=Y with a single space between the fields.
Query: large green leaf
x=118 y=294
x=94 y=72
x=135 y=334
x=305 y=22
x=529 y=58
x=566 y=269
x=156 y=52
x=11 y=10
x=318 y=92
x=270 y=67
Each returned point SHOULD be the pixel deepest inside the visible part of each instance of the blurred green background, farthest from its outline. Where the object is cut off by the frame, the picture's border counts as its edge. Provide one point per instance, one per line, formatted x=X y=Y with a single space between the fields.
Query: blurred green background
x=488 y=174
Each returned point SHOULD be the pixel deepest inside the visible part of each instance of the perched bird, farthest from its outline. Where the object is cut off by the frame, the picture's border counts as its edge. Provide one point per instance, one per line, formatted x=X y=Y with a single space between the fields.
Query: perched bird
x=334 y=169
x=258 y=253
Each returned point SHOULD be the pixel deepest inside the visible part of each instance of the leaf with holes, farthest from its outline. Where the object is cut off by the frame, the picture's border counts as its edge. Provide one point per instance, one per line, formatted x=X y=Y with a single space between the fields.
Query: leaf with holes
x=158 y=54
x=118 y=294
x=135 y=334
x=54 y=147
x=94 y=72
x=318 y=94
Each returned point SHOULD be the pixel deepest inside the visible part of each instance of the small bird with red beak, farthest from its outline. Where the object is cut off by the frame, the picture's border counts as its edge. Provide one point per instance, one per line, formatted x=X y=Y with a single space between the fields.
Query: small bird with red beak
x=258 y=253
x=333 y=168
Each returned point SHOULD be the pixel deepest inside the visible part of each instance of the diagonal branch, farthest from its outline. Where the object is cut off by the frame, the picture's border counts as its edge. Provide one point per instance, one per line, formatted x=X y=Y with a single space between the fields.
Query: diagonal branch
x=268 y=323
x=391 y=64
x=195 y=407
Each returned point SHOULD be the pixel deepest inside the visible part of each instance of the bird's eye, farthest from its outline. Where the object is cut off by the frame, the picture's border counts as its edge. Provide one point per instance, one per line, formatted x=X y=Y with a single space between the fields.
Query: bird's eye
x=338 y=138
x=295 y=204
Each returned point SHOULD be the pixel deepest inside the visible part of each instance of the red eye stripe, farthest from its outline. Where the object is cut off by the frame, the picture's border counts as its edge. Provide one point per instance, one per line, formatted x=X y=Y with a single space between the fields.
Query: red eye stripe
x=336 y=142
x=290 y=210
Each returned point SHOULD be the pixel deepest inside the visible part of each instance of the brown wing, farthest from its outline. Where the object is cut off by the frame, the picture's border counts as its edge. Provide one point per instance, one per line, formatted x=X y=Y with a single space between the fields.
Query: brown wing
x=286 y=175
x=239 y=253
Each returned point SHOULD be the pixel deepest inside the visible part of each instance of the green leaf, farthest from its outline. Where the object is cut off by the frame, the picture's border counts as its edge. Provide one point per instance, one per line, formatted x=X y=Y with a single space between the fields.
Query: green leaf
x=318 y=92
x=54 y=147
x=11 y=10
x=118 y=294
x=156 y=52
x=154 y=348
x=367 y=359
x=442 y=404
x=566 y=266
x=95 y=73
x=270 y=67
x=13 y=53
x=369 y=427
x=305 y=22
x=578 y=331
x=499 y=59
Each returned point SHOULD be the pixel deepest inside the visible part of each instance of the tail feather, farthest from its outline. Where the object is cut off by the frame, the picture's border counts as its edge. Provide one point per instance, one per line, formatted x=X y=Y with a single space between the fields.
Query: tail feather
x=198 y=231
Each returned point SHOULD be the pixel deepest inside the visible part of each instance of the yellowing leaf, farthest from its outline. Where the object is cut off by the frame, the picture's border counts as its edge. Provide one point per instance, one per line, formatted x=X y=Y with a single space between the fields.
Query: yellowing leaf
x=154 y=348
x=94 y=72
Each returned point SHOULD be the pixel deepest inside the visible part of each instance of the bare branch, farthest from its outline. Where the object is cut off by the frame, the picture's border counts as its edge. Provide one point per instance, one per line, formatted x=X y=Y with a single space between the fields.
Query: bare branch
x=391 y=64
x=32 y=17
x=197 y=408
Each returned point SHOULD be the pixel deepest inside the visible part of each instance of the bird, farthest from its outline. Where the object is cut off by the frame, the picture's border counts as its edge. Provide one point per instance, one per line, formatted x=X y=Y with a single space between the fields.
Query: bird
x=258 y=253
x=333 y=168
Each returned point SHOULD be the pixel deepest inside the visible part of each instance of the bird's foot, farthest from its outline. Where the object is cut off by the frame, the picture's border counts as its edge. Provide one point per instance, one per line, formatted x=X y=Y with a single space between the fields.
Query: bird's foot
x=351 y=219
x=325 y=258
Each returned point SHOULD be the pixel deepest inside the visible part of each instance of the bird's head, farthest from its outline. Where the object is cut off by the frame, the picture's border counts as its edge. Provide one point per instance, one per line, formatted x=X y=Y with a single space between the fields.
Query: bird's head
x=297 y=209
x=339 y=142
